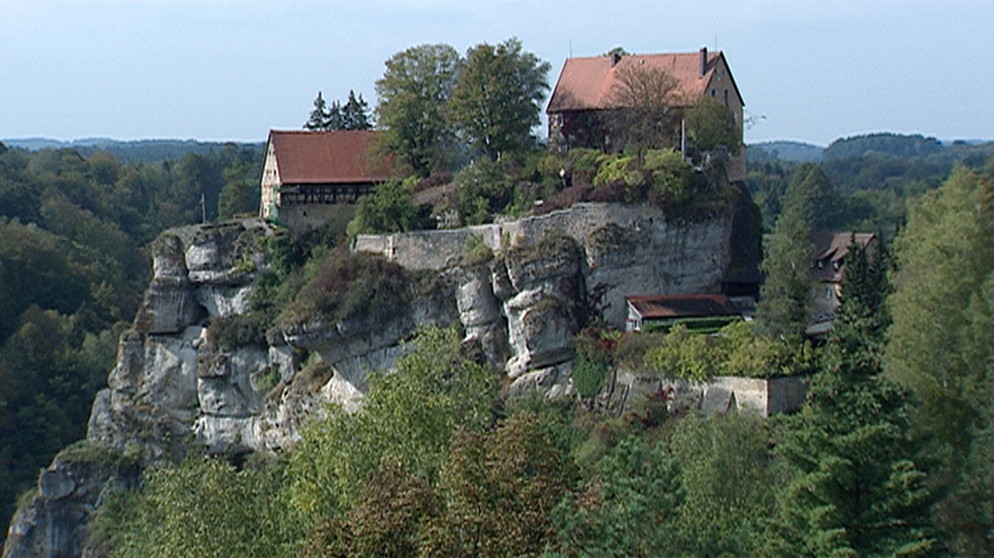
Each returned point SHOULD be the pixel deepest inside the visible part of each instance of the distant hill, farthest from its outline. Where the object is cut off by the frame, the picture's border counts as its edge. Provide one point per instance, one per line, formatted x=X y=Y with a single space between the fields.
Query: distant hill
x=137 y=151
x=784 y=151
x=886 y=144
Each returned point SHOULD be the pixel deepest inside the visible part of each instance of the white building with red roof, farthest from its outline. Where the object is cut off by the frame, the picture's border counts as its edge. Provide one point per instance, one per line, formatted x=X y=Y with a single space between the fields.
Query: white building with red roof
x=306 y=173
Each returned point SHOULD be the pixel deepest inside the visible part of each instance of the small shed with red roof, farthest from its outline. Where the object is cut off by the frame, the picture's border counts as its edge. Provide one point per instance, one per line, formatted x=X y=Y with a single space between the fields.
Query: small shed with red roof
x=705 y=313
x=305 y=172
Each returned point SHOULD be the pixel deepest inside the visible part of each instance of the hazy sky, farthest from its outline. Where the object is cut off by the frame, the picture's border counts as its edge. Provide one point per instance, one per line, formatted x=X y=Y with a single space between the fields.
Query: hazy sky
x=809 y=70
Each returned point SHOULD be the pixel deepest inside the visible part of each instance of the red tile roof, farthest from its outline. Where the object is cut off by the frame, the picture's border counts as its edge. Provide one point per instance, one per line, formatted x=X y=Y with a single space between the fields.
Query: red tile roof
x=587 y=83
x=339 y=157
x=682 y=306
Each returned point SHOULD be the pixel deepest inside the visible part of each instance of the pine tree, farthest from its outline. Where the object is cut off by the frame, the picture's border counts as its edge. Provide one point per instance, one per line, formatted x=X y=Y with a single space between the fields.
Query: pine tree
x=319 y=116
x=334 y=120
x=856 y=489
x=355 y=114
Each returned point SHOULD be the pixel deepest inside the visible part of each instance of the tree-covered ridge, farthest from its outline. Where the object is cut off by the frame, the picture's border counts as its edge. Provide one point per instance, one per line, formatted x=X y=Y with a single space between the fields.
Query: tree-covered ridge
x=872 y=187
x=148 y=151
x=893 y=145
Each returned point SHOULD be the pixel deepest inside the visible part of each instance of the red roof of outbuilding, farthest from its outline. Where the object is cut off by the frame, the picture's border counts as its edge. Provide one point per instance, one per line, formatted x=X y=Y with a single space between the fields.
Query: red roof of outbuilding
x=682 y=306
x=338 y=157
x=588 y=83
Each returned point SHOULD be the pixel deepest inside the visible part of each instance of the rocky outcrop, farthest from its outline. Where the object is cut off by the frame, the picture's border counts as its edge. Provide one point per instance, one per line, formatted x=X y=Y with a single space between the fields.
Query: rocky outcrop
x=545 y=273
x=520 y=299
x=53 y=523
x=170 y=381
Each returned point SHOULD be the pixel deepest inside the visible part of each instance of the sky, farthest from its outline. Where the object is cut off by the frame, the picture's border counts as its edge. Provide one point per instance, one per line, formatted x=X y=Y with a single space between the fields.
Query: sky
x=808 y=70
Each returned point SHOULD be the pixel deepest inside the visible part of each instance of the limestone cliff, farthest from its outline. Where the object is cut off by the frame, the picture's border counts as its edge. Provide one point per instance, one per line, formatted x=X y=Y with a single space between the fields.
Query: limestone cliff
x=519 y=289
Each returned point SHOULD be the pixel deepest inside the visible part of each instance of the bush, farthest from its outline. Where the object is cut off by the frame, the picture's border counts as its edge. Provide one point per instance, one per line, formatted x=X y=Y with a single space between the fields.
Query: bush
x=341 y=286
x=483 y=191
x=621 y=169
x=477 y=252
x=671 y=175
x=389 y=208
x=230 y=332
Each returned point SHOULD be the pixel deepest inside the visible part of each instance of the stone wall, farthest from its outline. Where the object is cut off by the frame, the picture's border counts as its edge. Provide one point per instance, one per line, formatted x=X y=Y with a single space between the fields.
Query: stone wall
x=625 y=250
x=719 y=395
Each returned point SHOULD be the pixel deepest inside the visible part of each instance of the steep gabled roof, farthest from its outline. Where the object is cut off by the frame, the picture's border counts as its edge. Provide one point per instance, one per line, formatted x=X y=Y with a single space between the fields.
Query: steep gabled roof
x=588 y=83
x=831 y=249
x=682 y=306
x=339 y=157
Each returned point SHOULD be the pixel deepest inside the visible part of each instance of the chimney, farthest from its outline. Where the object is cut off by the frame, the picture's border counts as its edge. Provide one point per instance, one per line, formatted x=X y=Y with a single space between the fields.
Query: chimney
x=704 y=60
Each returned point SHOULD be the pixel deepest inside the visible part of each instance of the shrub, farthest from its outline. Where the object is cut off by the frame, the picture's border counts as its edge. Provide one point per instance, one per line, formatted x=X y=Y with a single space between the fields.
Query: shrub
x=671 y=175
x=389 y=208
x=593 y=362
x=477 y=252
x=342 y=286
x=622 y=169
x=483 y=191
x=230 y=332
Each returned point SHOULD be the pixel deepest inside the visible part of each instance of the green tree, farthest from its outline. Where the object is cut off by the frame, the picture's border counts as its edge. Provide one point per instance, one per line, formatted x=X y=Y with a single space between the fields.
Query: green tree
x=496 y=101
x=939 y=346
x=628 y=507
x=321 y=116
x=484 y=190
x=727 y=475
x=355 y=113
x=407 y=419
x=710 y=124
x=389 y=208
x=785 y=295
x=240 y=193
x=204 y=507
x=389 y=519
x=499 y=489
x=413 y=93
x=815 y=196
x=856 y=488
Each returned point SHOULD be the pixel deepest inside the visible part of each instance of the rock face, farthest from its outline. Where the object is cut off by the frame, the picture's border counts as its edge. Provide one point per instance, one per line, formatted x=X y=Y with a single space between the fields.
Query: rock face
x=54 y=522
x=521 y=303
x=548 y=271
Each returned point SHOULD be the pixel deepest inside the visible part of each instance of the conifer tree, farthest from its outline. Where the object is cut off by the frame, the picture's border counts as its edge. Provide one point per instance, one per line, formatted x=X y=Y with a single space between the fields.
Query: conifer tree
x=319 y=116
x=856 y=489
x=785 y=297
x=355 y=114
